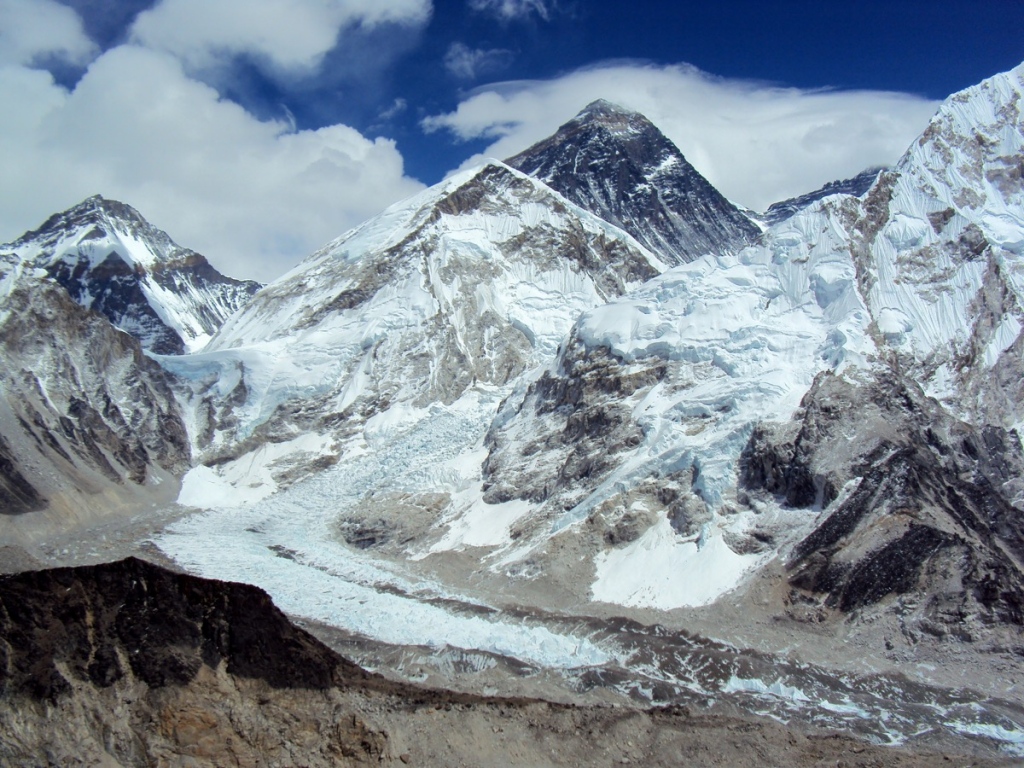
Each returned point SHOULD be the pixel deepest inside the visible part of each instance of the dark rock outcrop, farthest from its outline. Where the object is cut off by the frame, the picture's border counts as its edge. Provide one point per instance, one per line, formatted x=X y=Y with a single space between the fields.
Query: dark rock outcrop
x=99 y=624
x=130 y=664
x=580 y=419
x=17 y=494
x=920 y=507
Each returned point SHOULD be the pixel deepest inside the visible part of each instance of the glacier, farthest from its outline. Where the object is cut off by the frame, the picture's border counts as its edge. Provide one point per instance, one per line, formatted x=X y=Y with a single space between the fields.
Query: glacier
x=737 y=339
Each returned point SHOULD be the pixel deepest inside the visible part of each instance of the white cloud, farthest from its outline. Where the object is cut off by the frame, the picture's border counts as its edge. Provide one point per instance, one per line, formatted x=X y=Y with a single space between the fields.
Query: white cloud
x=756 y=142
x=35 y=29
x=514 y=9
x=253 y=196
x=469 y=63
x=398 y=106
x=293 y=35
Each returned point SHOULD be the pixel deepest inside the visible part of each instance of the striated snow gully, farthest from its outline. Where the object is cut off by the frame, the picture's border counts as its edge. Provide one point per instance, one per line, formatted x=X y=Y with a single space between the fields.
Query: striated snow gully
x=511 y=408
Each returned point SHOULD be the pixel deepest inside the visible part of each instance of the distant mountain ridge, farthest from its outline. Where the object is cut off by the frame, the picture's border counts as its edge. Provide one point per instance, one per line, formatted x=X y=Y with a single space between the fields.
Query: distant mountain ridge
x=855 y=186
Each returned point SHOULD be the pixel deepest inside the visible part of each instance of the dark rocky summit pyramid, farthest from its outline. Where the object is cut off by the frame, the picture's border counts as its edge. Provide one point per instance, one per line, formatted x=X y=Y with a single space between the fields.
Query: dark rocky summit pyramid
x=616 y=164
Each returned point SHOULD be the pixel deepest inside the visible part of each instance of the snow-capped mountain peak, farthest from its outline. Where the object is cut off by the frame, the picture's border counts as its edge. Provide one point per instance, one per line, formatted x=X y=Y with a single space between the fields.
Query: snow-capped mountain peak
x=940 y=249
x=612 y=116
x=111 y=260
x=970 y=156
x=104 y=216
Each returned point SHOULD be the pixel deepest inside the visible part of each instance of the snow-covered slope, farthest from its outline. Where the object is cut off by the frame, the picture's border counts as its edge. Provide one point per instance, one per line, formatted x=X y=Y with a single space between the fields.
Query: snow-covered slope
x=111 y=260
x=616 y=164
x=462 y=288
x=940 y=252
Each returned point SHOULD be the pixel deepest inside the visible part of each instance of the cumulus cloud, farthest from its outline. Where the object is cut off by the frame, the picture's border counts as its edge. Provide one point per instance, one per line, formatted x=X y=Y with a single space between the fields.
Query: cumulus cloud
x=756 y=142
x=254 y=196
x=470 y=63
x=31 y=30
x=293 y=35
x=510 y=10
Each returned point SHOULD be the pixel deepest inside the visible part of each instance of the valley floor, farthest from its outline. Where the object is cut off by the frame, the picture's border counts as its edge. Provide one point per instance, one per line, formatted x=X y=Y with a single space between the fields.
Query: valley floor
x=769 y=690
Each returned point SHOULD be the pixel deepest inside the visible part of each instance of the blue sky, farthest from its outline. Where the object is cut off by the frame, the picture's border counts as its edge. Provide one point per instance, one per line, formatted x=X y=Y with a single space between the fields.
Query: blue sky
x=930 y=48
x=255 y=131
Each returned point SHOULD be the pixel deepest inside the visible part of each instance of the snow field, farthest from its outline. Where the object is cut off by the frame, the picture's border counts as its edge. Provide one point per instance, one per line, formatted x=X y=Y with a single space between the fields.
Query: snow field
x=659 y=570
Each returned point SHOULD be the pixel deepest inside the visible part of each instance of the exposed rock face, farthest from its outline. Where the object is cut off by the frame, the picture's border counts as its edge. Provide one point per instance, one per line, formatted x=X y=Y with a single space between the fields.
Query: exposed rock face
x=84 y=411
x=619 y=166
x=922 y=510
x=111 y=260
x=135 y=620
x=577 y=420
x=855 y=187
x=17 y=494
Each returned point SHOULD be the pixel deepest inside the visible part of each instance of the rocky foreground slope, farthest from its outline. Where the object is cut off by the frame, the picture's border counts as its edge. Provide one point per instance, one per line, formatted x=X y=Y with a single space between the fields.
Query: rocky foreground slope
x=127 y=664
